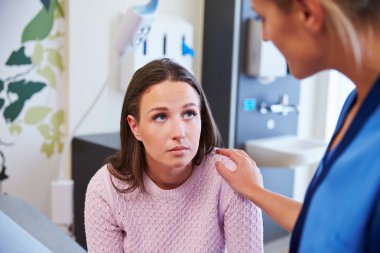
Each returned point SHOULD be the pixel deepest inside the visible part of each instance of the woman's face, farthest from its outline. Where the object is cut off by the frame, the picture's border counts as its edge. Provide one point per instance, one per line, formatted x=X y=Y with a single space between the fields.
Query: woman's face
x=302 y=48
x=169 y=128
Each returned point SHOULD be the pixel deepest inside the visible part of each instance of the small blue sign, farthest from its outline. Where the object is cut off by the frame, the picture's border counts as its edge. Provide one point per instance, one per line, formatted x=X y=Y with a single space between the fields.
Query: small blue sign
x=249 y=104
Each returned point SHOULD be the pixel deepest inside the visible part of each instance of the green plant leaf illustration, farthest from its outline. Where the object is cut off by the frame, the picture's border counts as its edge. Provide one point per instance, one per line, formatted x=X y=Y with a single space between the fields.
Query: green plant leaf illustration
x=55 y=59
x=18 y=58
x=24 y=91
x=13 y=110
x=40 y=26
x=57 y=119
x=2 y=101
x=52 y=133
x=38 y=54
x=44 y=130
x=48 y=149
x=55 y=36
x=15 y=129
x=60 y=147
x=48 y=74
x=60 y=12
x=35 y=115
x=46 y=4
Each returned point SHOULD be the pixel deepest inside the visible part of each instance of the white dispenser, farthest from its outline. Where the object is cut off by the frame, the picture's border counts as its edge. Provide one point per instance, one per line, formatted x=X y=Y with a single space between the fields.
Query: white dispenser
x=264 y=60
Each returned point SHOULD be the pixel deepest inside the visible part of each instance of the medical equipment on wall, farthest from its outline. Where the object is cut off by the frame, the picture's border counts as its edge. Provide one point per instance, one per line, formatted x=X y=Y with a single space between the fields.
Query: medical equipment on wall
x=264 y=61
x=170 y=36
x=134 y=28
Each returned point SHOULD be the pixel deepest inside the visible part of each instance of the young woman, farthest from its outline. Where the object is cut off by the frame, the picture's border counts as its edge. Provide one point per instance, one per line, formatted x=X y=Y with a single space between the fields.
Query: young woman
x=161 y=192
x=341 y=210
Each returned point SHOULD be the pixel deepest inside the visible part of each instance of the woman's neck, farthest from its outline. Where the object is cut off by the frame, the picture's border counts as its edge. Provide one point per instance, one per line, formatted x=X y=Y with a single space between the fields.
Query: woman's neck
x=365 y=73
x=169 y=178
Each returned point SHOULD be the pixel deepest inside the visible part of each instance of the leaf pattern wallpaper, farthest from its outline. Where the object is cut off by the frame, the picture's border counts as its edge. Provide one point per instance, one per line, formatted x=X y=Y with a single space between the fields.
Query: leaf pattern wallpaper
x=35 y=68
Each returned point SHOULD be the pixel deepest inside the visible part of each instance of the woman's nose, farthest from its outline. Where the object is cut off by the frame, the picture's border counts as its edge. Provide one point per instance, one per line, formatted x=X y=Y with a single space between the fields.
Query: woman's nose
x=178 y=129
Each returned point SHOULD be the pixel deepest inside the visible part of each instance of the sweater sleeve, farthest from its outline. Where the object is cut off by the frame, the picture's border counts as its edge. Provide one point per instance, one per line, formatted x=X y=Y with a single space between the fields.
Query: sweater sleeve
x=243 y=226
x=102 y=232
x=243 y=222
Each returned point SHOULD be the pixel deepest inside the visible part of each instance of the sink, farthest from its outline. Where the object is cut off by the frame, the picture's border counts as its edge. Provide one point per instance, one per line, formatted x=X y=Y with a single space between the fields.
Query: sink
x=285 y=151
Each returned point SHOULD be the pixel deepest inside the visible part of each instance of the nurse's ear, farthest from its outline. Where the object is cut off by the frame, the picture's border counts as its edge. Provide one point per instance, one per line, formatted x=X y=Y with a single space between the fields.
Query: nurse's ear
x=311 y=14
x=132 y=122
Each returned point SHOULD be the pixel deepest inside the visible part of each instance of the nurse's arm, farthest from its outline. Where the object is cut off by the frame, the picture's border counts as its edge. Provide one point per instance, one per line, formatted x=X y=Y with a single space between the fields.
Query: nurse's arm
x=247 y=180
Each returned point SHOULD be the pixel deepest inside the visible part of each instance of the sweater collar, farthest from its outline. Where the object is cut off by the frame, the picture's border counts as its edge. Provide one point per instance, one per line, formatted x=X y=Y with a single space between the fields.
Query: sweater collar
x=178 y=192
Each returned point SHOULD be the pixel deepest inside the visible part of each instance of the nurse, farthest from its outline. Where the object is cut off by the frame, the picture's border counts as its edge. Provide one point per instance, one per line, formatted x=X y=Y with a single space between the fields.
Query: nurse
x=341 y=209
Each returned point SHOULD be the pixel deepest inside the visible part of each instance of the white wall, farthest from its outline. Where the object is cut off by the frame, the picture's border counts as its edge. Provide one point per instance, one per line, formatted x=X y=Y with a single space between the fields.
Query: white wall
x=92 y=28
x=321 y=99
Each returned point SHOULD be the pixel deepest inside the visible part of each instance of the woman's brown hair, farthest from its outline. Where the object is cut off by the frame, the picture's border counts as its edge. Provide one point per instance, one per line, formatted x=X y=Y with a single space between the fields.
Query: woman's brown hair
x=128 y=163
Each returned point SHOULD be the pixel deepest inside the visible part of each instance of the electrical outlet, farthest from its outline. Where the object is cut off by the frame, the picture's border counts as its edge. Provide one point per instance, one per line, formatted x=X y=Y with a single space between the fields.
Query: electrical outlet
x=170 y=37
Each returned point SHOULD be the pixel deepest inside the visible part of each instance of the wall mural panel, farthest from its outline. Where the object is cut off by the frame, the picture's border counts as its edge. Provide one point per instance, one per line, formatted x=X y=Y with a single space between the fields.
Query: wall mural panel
x=32 y=89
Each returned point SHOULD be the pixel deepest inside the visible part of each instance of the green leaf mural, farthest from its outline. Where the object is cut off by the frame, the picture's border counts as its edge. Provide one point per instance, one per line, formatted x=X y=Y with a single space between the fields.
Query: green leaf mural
x=57 y=119
x=24 y=90
x=2 y=101
x=48 y=149
x=16 y=90
x=60 y=147
x=15 y=129
x=41 y=25
x=46 y=4
x=52 y=133
x=60 y=13
x=44 y=130
x=38 y=54
x=55 y=59
x=18 y=58
x=35 y=115
x=49 y=75
x=55 y=36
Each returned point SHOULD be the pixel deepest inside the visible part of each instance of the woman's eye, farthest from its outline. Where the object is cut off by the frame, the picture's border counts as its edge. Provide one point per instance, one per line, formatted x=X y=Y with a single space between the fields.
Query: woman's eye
x=257 y=17
x=189 y=114
x=159 y=117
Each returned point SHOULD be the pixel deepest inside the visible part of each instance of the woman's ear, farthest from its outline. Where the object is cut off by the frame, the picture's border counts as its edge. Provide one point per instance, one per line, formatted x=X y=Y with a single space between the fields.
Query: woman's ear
x=134 y=126
x=311 y=14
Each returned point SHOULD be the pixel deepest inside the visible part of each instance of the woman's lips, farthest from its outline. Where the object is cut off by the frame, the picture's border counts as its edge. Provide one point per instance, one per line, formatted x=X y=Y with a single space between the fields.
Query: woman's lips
x=178 y=148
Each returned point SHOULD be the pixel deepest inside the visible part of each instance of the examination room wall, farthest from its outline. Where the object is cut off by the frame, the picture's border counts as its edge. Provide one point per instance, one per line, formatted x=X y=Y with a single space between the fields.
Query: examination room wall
x=87 y=54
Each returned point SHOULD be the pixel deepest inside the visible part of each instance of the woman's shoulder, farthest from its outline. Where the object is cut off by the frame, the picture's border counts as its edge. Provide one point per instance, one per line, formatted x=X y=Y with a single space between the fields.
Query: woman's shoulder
x=100 y=181
x=209 y=169
x=214 y=157
x=227 y=195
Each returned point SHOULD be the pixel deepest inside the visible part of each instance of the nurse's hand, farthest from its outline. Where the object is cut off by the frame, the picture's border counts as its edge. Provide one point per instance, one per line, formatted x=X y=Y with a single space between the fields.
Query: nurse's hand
x=246 y=177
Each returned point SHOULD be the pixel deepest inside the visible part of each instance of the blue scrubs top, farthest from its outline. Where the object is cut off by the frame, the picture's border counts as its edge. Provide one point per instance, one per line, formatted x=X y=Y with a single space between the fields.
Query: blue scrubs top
x=341 y=211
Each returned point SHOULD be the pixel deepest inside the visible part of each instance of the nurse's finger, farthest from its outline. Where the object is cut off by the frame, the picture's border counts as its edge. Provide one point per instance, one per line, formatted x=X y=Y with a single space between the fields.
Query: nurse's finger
x=234 y=154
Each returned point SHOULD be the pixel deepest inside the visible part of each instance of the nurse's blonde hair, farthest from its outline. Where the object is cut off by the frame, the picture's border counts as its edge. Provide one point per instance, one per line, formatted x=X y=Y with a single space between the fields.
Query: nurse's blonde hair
x=348 y=19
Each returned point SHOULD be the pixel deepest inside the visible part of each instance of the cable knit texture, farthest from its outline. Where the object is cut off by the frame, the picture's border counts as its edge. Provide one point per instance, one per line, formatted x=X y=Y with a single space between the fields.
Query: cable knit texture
x=203 y=214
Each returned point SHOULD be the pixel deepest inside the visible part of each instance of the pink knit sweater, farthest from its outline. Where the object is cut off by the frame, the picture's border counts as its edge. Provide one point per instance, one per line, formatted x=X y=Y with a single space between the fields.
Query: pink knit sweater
x=202 y=215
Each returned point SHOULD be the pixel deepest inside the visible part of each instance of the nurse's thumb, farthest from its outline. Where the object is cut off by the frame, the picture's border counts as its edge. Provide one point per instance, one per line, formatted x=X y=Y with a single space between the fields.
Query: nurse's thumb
x=223 y=171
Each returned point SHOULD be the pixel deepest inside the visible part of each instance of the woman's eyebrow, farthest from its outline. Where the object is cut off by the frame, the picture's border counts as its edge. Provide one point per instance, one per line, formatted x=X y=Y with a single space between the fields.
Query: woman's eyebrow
x=159 y=108
x=164 y=108
x=190 y=105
